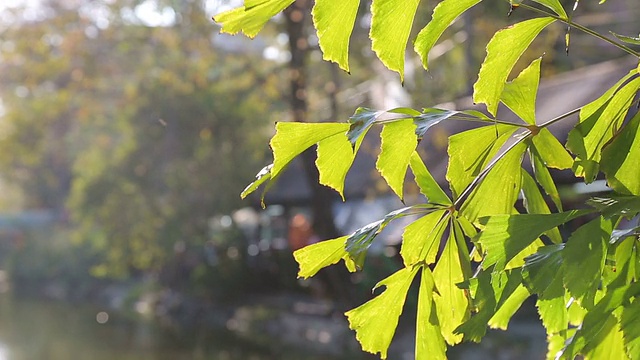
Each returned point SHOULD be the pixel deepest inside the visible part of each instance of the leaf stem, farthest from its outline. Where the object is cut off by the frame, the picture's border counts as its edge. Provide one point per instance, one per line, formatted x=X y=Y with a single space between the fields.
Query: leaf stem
x=584 y=29
x=561 y=117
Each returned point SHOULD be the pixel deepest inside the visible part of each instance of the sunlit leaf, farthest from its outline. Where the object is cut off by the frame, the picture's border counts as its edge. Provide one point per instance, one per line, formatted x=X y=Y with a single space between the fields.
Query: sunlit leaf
x=520 y=94
x=429 y=341
x=597 y=126
x=375 y=321
x=535 y=203
x=292 y=138
x=451 y=302
x=251 y=17
x=551 y=150
x=621 y=159
x=508 y=306
x=334 y=21
x=584 y=256
x=391 y=22
x=421 y=239
x=542 y=268
x=609 y=345
x=630 y=326
x=470 y=152
x=555 y=6
x=335 y=157
x=443 y=15
x=552 y=306
x=316 y=256
x=262 y=176
x=498 y=191
x=399 y=141
x=504 y=236
x=429 y=187
x=503 y=51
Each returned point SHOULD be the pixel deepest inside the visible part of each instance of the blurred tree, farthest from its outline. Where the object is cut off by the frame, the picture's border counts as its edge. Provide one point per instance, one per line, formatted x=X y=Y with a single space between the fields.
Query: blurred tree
x=141 y=133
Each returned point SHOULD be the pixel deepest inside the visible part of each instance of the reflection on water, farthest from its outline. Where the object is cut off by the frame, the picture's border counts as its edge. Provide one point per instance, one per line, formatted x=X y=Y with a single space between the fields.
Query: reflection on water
x=44 y=330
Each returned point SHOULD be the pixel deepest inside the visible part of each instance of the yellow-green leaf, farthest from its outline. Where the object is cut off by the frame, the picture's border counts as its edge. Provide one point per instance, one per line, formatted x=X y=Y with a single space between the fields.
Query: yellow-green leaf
x=503 y=51
x=430 y=344
x=391 y=22
x=375 y=321
x=519 y=95
x=399 y=141
x=334 y=20
x=551 y=150
x=428 y=185
x=251 y=17
x=335 y=157
x=421 y=239
x=443 y=15
x=314 y=257
x=535 y=204
x=621 y=159
x=451 y=301
x=292 y=138
x=555 y=6
x=543 y=177
x=262 y=176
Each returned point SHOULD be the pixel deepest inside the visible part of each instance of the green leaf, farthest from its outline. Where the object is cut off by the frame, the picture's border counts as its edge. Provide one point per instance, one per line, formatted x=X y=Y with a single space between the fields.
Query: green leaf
x=428 y=185
x=519 y=95
x=555 y=6
x=443 y=15
x=429 y=341
x=609 y=345
x=552 y=306
x=391 y=22
x=498 y=191
x=597 y=127
x=358 y=243
x=451 y=301
x=433 y=116
x=628 y=39
x=316 y=256
x=542 y=268
x=551 y=151
x=505 y=236
x=262 y=176
x=334 y=21
x=399 y=141
x=375 y=321
x=616 y=205
x=504 y=49
x=508 y=306
x=535 y=204
x=584 y=257
x=421 y=239
x=292 y=138
x=630 y=326
x=543 y=177
x=335 y=157
x=251 y=17
x=470 y=152
x=621 y=159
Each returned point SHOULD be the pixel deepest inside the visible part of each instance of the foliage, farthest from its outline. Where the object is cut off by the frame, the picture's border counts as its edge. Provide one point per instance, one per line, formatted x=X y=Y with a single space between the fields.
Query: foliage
x=477 y=256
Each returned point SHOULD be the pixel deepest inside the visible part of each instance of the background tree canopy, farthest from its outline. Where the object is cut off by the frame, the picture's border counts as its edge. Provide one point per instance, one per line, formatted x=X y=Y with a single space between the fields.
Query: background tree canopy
x=476 y=252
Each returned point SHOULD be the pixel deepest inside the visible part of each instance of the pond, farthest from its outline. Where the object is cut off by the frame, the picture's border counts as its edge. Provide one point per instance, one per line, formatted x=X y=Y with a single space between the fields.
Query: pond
x=38 y=329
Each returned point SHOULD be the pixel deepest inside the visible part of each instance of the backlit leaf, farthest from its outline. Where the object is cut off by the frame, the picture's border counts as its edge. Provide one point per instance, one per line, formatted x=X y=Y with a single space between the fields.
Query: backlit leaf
x=503 y=51
x=470 y=152
x=429 y=187
x=262 y=176
x=451 y=301
x=616 y=205
x=375 y=321
x=316 y=256
x=519 y=95
x=621 y=159
x=251 y=17
x=584 y=256
x=429 y=341
x=498 y=191
x=292 y=138
x=335 y=157
x=551 y=150
x=399 y=141
x=504 y=236
x=334 y=20
x=542 y=268
x=597 y=127
x=630 y=326
x=421 y=239
x=443 y=15
x=535 y=203
x=555 y=6
x=391 y=22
